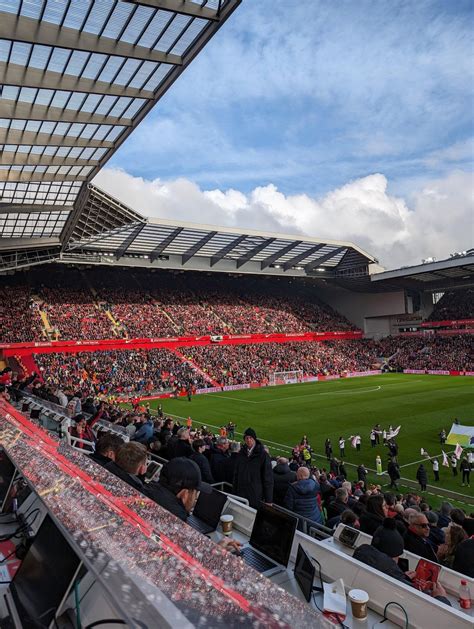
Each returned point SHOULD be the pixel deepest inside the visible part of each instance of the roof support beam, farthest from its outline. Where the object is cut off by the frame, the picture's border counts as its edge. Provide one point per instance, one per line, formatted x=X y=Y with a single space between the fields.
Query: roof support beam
x=26 y=208
x=129 y=240
x=302 y=256
x=18 y=75
x=184 y=7
x=253 y=252
x=279 y=254
x=37 y=159
x=28 y=111
x=18 y=175
x=315 y=263
x=195 y=248
x=165 y=243
x=31 y=31
x=31 y=138
x=227 y=249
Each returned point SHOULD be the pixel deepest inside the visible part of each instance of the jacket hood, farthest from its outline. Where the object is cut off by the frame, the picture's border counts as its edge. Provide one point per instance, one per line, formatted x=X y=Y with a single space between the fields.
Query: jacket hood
x=305 y=486
x=281 y=468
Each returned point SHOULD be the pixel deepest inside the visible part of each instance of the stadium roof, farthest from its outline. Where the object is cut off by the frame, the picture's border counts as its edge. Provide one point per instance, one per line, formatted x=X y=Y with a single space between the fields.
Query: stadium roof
x=75 y=79
x=105 y=231
x=455 y=272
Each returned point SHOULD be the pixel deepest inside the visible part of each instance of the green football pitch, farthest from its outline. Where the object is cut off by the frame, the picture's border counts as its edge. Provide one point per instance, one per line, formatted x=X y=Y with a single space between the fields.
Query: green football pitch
x=422 y=405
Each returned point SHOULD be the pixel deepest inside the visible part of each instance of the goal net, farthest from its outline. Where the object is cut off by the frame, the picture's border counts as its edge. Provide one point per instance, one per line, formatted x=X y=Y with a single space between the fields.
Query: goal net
x=285 y=377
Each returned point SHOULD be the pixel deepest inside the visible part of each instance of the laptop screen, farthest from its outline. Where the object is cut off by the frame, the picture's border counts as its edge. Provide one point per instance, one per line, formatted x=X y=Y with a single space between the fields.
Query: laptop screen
x=304 y=573
x=273 y=532
x=209 y=507
x=44 y=576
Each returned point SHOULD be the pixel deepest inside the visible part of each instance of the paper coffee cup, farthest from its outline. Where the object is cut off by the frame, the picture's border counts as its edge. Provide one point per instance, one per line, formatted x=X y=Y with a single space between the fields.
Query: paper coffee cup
x=359 y=600
x=226 y=523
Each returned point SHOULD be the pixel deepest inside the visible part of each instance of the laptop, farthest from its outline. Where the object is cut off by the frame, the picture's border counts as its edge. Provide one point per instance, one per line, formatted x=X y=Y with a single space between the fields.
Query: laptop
x=207 y=512
x=269 y=548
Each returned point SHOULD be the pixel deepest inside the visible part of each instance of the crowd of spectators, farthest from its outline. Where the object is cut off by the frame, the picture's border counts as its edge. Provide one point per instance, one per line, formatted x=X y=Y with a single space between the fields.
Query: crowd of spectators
x=122 y=372
x=19 y=317
x=429 y=352
x=241 y=364
x=454 y=305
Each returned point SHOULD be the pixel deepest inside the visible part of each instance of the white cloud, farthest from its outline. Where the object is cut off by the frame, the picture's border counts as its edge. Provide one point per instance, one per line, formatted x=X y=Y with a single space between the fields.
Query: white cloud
x=438 y=221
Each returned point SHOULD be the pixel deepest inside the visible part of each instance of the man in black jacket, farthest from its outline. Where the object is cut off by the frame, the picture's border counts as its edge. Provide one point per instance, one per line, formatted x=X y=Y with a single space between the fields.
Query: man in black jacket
x=178 y=489
x=416 y=537
x=282 y=477
x=218 y=455
x=253 y=476
x=202 y=461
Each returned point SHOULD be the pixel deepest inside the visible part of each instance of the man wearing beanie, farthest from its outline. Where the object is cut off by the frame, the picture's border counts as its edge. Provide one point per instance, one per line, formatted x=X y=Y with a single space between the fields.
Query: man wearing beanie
x=253 y=475
x=383 y=554
x=387 y=546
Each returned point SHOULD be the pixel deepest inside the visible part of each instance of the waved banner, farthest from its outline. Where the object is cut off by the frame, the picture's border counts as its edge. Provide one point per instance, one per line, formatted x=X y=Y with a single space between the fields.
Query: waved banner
x=462 y=435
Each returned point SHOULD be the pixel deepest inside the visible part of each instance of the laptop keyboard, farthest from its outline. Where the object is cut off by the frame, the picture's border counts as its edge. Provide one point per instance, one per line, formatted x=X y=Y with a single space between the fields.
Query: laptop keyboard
x=257 y=561
x=198 y=525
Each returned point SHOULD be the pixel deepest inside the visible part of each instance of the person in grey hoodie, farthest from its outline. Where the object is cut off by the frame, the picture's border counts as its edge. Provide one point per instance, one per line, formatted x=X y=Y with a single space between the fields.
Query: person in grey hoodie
x=302 y=496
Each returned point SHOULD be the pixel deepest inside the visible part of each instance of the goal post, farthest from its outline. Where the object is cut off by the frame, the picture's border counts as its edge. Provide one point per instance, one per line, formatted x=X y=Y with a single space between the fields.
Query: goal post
x=285 y=377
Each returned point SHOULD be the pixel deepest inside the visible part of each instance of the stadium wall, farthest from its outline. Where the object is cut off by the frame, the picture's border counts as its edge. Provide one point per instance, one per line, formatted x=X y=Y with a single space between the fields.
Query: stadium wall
x=73 y=347
x=357 y=307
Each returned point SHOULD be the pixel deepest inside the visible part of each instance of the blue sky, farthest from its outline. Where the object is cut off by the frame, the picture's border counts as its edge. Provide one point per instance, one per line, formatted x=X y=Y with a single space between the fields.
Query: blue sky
x=306 y=98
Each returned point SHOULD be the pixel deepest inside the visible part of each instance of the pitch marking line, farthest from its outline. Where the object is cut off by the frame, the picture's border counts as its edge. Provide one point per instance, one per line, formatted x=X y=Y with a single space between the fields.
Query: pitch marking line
x=321 y=456
x=352 y=391
x=294 y=397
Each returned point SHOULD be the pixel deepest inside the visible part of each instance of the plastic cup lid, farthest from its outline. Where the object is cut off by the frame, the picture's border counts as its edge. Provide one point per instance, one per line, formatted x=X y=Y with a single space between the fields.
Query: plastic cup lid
x=227 y=518
x=359 y=596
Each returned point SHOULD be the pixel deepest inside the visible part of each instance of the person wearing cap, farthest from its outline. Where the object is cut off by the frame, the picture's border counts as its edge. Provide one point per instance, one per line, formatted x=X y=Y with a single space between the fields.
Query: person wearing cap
x=179 y=486
x=253 y=475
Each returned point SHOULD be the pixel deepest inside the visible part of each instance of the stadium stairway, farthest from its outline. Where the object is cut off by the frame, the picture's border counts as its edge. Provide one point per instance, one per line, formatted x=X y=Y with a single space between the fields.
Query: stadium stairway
x=47 y=328
x=190 y=362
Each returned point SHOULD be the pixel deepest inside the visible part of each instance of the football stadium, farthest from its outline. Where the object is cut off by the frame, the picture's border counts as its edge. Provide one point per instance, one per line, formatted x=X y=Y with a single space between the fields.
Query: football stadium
x=206 y=425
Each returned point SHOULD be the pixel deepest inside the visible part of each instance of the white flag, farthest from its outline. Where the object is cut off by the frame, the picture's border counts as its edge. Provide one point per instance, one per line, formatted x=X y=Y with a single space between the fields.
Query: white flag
x=393 y=433
x=458 y=451
x=445 y=459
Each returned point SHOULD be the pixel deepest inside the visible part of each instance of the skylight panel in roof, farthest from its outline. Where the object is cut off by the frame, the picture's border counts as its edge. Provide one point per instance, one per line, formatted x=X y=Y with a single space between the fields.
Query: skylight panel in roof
x=20 y=53
x=4 y=49
x=134 y=107
x=60 y=98
x=118 y=20
x=157 y=77
x=127 y=71
x=59 y=59
x=54 y=12
x=110 y=69
x=143 y=74
x=136 y=25
x=76 y=13
x=91 y=102
x=77 y=62
x=11 y=6
x=158 y=23
x=31 y=9
x=97 y=16
x=172 y=32
x=189 y=36
x=40 y=56
x=93 y=66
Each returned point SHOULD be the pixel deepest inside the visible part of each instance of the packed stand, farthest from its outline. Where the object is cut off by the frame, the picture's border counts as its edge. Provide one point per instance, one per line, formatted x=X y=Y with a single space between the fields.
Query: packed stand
x=454 y=305
x=242 y=364
x=455 y=352
x=20 y=320
x=118 y=372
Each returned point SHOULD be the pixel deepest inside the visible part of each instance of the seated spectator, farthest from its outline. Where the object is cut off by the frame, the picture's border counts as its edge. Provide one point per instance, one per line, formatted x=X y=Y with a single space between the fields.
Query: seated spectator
x=302 y=496
x=106 y=448
x=82 y=430
x=144 y=433
x=374 y=515
x=199 y=447
x=130 y=463
x=219 y=453
x=227 y=467
x=180 y=445
x=338 y=504
x=436 y=536
x=455 y=535
x=383 y=554
x=443 y=514
x=464 y=558
x=416 y=537
x=178 y=488
x=282 y=476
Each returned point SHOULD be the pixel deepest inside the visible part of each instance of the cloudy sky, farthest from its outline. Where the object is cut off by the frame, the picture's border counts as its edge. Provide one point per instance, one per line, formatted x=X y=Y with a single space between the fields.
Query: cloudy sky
x=343 y=120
